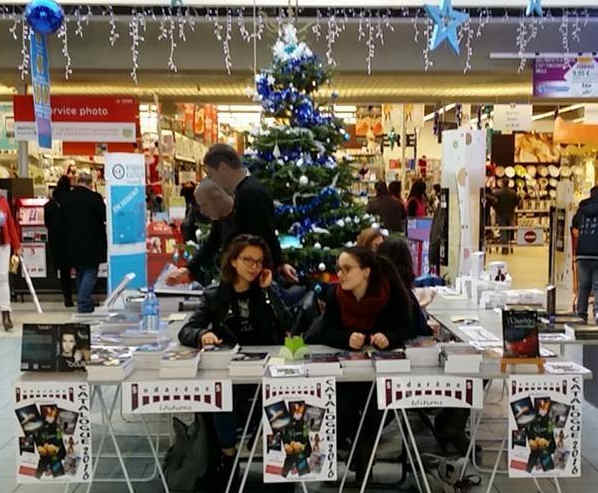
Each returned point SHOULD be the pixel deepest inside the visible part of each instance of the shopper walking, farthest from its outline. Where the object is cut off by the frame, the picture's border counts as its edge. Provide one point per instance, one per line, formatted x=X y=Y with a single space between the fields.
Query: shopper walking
x=391 y=212
x=417 y=202
x=84 y=214
x=9 y=238
x=585 y=229
x=505 y=203
x=54 y=221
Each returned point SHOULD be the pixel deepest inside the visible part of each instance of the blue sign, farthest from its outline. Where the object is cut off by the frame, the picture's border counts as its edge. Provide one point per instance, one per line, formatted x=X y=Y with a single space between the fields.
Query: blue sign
x=40 y=79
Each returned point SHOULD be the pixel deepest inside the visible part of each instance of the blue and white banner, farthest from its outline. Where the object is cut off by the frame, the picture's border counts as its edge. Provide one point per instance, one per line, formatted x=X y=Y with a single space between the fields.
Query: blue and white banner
x=125 y=180
x=40 y=79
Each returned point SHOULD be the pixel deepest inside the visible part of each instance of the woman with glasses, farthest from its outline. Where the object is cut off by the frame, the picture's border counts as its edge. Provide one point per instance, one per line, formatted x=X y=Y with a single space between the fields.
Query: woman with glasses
x=243 y=309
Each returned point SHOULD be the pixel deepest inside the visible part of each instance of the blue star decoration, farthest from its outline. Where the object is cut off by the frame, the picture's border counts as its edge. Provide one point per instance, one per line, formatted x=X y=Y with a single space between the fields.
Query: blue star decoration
x=446 y=22
x=534 y=7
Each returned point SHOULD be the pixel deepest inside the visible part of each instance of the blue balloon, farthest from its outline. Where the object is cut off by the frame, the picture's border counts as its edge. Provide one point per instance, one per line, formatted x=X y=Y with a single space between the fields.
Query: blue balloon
x=44 y=16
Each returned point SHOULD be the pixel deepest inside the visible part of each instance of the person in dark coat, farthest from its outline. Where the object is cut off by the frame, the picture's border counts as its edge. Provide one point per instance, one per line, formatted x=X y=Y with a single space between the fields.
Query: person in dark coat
x=243 y=309
x=54 y=221
x=505 y=204
x=391 y=212
x=84 y=215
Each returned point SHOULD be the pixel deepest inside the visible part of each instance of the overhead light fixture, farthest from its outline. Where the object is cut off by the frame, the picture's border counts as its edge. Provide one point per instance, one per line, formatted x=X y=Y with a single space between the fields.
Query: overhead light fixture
x=444 y=109
x=541 y=116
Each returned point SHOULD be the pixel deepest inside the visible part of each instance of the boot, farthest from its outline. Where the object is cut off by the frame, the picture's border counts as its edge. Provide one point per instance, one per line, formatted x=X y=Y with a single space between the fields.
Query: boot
x=68 y=302
x=6 y=321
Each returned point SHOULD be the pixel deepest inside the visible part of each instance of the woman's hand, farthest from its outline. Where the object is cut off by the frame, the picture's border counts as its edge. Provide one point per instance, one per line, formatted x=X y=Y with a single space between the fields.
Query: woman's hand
x=209 y=339
x=356 y=340
x=265 y=278
x=379 y=340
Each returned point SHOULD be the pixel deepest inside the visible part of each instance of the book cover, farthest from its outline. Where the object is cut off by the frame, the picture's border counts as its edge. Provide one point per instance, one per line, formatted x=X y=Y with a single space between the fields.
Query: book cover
x=520 y=334
x=179 y=354
x=110 y=356
x=388 y=355
x=322 y=358
x=250 y=358
x=353 y=356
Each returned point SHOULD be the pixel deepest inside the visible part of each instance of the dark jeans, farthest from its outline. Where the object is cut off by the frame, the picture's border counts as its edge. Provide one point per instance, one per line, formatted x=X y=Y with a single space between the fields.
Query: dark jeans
x=506 y=235
x=66 y=283
x=86 y=281
x=587 y=281
x=226 y=424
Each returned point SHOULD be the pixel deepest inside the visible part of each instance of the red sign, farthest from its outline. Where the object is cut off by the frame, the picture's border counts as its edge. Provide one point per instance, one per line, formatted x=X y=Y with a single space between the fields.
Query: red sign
x=530 y=236
x=81 y=118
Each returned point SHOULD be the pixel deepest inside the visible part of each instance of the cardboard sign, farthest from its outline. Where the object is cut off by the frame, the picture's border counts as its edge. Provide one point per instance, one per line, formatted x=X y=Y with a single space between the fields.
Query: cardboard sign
x=54 y=438
x=545 y=422
x=299 y=419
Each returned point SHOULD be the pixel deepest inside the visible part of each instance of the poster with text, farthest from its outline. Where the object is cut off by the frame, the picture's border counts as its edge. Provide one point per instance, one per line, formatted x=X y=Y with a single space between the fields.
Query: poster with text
x=407 y=392
x=299 y=420
x=34 y=257
x=545 y=415
x=54 y=432
x=177 y=396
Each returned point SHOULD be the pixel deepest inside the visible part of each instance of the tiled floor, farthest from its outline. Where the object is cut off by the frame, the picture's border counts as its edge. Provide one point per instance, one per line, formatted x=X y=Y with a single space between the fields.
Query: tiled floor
x=383 y=473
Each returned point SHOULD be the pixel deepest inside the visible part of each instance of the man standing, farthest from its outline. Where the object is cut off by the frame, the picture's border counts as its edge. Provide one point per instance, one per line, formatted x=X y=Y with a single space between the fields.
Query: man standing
x=85 y=225
x=505 y=203
x=390 y=210
x=584 y=228
x=253 y=208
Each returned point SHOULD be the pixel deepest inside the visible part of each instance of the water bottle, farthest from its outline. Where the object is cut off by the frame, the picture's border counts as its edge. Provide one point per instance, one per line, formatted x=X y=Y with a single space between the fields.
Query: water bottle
x=151 y=312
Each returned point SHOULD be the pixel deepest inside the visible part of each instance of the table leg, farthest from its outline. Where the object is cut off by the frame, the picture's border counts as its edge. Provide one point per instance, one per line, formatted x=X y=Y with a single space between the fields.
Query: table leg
x=415 y=449
x=354 y=444
x=373 y=454
x=243 y=436
x=252 y=453
x=408 y=450
x=557 y=485
x=498 y=456
x=113 y=436
x=474 y=432
x=303 y=487
x=155 y=453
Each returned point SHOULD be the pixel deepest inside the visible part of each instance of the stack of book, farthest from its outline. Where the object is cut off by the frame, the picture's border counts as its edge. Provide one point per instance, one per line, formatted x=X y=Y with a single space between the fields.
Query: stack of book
x=391 y=362
x=355 y=360
x=148 y=356
x=179 y=362
x=248 y=364
x=460 y=358
x=423 y=356
x=110 y=363
x=323 y=364
x=217 y=357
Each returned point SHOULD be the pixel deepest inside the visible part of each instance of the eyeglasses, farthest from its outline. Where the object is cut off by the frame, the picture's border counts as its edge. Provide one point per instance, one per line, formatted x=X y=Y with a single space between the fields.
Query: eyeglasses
x=252 y=262
x=345 y=269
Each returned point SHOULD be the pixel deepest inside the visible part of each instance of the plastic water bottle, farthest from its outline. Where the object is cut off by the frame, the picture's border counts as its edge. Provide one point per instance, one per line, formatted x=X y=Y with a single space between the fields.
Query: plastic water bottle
x=151 y=311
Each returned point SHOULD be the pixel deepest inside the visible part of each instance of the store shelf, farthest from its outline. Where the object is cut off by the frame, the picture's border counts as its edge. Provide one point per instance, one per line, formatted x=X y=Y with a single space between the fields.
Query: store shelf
x=534 y=211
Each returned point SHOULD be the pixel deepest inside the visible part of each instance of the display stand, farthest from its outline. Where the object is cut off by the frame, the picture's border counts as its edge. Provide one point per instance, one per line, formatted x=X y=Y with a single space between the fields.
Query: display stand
x=539 y=362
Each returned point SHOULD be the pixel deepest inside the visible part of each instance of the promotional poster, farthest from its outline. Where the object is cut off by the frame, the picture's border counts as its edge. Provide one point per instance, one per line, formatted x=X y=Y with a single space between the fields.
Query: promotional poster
x=299 y=419
x=54 y=438
x=545 y=416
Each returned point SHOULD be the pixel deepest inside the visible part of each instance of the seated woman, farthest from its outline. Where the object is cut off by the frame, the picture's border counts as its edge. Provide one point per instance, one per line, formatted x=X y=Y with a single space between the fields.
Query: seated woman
x=396 y=250
x=242 y=309
x=369 y=306
x=370 y=238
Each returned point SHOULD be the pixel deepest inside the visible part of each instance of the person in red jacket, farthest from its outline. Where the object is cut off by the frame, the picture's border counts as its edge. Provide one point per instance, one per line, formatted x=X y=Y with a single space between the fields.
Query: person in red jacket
x=8 y=238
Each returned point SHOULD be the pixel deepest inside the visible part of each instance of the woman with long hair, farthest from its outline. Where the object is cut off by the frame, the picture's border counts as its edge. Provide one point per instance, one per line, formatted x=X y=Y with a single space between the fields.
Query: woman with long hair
x=417 y=202
x=242 y=309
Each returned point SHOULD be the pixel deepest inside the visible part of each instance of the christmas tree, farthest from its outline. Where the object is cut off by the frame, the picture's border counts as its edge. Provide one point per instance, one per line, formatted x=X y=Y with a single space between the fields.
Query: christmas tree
x=295 y=159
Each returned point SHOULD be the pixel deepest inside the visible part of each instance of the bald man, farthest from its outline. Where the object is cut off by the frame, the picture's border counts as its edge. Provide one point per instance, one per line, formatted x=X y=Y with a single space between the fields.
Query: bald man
x=217 y=205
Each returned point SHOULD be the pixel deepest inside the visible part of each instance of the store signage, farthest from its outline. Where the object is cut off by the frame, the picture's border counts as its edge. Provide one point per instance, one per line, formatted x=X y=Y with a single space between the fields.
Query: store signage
x=399 y=392
x=125 y=180
x=34 y=257
x=513 y=117
x=40 y=79
x=299 y=420
x=54 y=437
x=177 y=396
x=7 y=127
x=571 y=78
x=80 y=118
x=545 y=423
x=530 y=236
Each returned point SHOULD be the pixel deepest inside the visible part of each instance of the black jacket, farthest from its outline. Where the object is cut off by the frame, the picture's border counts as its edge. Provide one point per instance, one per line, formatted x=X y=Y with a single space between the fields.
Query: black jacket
x=391 y=212
x=54 y=221
x=84 y=214
x=586 y=221
x=268 y=315
x=253 y=213
x=505 y=203
x=393 y=321
x=206 y=259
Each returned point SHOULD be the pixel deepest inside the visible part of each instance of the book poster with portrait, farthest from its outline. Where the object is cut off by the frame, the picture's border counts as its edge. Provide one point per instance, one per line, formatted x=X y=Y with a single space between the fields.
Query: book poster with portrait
x=545 y=416
x=54 y=437
x=299 y=438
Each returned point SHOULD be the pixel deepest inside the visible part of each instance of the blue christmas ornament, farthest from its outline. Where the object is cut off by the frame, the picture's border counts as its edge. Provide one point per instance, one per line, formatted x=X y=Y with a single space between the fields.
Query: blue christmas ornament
x=44 y=16
x=446 y=21
x=534 y=7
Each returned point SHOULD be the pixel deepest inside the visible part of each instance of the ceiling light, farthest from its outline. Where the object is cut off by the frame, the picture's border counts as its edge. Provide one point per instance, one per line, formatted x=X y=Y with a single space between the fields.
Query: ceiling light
x=430 y=116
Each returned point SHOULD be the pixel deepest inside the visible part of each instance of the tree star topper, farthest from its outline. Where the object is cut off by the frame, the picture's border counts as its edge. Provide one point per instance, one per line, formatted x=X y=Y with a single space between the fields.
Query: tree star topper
x=446 y=21
x=534 y=7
